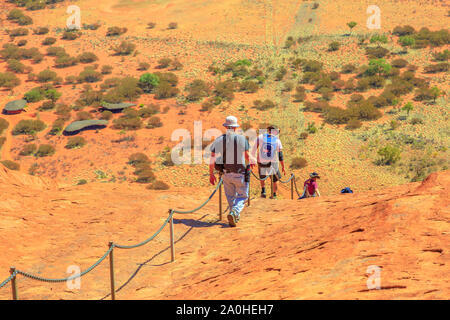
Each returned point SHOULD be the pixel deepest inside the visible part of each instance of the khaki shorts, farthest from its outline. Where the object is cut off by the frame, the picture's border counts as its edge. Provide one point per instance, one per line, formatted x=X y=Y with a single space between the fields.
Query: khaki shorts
x=265 y=169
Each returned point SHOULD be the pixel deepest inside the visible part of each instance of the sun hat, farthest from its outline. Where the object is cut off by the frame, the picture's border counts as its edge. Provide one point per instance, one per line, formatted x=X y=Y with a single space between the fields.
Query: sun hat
x=231 y=122
x=314 y=175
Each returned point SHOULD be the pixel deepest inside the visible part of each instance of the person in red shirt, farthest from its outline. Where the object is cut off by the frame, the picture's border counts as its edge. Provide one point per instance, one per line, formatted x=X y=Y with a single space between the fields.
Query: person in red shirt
x=311 y=188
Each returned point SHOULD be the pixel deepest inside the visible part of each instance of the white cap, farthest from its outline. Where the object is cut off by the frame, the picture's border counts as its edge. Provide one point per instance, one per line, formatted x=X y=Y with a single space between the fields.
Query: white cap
x=231 y=122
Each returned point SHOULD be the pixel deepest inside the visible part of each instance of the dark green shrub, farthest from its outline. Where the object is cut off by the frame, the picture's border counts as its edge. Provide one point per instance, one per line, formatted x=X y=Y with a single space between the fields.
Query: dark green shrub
x=435 y=68
x=335 y=115
x=148 y=82
x=442 y=56
x=138 y=158
x=48 y=41
x=149 y=111
x=364 y=111
x=312 y=66
x=264 y=105
x=376 y=52
x=46 y=75
x=225 y=90
x=57 y=126
x=28 y=127
x=403 y=30
x=87 y=57
x=16 y=66
x=165 y=90
x=71 y=35
x=249 y=86
x=45 y=150
x=197 y=90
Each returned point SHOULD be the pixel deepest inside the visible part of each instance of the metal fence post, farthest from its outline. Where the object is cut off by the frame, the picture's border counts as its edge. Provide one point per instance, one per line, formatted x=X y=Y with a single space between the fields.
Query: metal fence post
x=249 y=191
x=271 y=187
x=172 y=242
x=111 y=271
x=12 y=270
x=292 y=188
x=220 y=201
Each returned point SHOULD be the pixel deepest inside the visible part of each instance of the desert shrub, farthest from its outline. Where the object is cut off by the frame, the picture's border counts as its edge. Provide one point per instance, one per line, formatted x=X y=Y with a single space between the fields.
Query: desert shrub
x=106 y=115
x=56 y=51
x=379 y=38
x=158 y=185
x=389 y=155
x=9 y=80
x=154 y=122
x=279 y=75
x=22 y=43
x=423 y=94
x=46 y=75
x=304 y=135
x=442 y=56
x=28 y=127
x=81 y=182
x=151 y=25
x=363 y=84
x=403 y=30
x=87 y=57
x=11 y=165
x=4 y=124
x=106 y=69
x=64 y=61
x=127 y=122
x=76 y=142
x=378 y=67
x=57 y=126
x=168 y=77
x=165 y=90
x=115 y=31
x=16 y=66
x=34 y=95
x=376 y=52
x=317 y=106
x=148 y=82
x=28 y=149
x=353 y=124
x=376 y=81
x=399 y=87
x=138 y=158
x=127 y=89
x=83 y=115
x=208 y=105
x=264 y=105
x=348 y=68
x=45 y=150
x=249 y=86
x=435 y=68
x=90 y=75
x=176 y=65
x=15 y=14
x=173 y=25
x=164 y=63
x=2 y=141
x=298 y=163
x=399 y=63
x=47 y=105
x=125 y=48
x=335 y=115
x=300 y=94
x=149 y=111
x=63 y=110
x=334 y=46
x=414 y=121
x=48 y=41
x=364 y=111
x=311 y=77
x=71 y=35
x=312 y=66
x=19 y=32
x=143 y=66
x=197 y=90
x=41 y=30
x=225 y=90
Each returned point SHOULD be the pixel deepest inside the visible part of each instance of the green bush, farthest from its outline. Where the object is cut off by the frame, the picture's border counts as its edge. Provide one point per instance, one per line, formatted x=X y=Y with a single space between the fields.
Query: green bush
x=87 y=57
x=389 y=155
x=435 y=68
x=45 y=150
x=403 y=30
x=11 y=165
x=28 y=127
x=376 y=52
x=264 y=105
x=46 y=76
x=106 y=115
x=165 y=90
x=16 y=66
x=48 y=41
x=76 y=142
x=225 y=90
x=334 y=46
x=57 y=126
x=71 y=35
x=399 y=63
x=41 y=30
x=19 y=32
x=149 y=111
x=90 y=75
x=107 y=69
x=442 y=56
x=348 y=68
x=115 y=31
x=298 y=163
x=28 y=149
x=148 y=82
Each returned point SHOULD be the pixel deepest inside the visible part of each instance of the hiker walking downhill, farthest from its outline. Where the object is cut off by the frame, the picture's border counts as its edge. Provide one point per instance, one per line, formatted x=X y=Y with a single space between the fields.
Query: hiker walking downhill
x=270 y=155
x=233 y=149
x=311 y=188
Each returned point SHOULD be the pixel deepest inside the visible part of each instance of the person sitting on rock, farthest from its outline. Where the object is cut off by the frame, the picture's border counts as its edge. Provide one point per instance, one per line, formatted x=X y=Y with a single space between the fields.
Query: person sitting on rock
x=310 y=187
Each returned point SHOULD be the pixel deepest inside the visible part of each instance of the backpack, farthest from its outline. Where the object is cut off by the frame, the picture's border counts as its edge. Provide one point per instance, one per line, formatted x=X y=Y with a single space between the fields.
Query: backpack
x=220 y=166
x=268 y=149
x=346 y=190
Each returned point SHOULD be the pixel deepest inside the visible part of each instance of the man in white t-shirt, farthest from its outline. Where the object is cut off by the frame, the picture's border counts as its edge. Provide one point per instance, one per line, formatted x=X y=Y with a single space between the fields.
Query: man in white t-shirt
x=270 y=153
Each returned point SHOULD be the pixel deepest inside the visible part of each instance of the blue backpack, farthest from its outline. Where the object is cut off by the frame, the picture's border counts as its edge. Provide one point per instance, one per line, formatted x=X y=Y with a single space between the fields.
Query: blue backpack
x=346 y=190
x=268 y=148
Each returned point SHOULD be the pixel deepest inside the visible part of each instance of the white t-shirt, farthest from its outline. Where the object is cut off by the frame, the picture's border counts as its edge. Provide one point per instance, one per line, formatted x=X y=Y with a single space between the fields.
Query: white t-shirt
x=269 y=148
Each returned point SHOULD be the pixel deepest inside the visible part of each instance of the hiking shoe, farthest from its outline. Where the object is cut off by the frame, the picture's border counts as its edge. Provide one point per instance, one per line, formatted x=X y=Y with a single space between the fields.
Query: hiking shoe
x=263 y=195
x=232 y=219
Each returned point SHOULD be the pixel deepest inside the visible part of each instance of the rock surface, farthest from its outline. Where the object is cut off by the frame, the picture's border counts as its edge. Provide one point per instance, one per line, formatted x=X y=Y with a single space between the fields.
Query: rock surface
x=318 y=248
